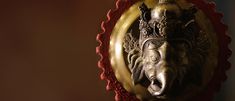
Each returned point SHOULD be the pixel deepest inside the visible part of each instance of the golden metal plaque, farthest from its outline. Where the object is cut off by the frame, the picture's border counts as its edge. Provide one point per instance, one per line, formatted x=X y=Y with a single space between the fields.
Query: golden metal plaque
x=166 y=50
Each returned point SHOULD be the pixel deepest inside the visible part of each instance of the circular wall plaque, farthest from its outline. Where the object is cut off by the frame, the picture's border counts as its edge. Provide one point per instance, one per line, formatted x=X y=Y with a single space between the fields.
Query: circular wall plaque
x=163 y=50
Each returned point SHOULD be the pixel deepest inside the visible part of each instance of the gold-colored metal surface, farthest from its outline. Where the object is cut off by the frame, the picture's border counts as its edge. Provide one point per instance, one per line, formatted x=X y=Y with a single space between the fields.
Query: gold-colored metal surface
x=117 y=56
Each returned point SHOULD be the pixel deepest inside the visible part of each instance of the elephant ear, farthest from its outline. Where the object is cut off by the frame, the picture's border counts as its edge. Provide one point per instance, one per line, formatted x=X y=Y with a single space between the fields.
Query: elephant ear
x=134 y=60
x=137 y=71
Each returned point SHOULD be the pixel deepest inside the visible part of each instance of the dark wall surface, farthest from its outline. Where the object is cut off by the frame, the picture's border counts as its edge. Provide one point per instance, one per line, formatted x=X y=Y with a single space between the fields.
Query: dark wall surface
x=47 y=51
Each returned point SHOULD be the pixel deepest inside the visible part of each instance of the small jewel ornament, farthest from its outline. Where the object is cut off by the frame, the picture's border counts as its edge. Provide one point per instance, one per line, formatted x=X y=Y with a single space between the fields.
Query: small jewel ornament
x=163 y=50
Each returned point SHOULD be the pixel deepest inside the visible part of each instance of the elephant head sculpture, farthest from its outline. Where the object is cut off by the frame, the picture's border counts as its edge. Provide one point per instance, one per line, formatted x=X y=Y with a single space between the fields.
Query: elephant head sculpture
x=168 y=52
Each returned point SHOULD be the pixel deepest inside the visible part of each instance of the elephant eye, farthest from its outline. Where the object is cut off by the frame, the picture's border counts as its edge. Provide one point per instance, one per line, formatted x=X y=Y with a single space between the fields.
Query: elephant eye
x=155 y=57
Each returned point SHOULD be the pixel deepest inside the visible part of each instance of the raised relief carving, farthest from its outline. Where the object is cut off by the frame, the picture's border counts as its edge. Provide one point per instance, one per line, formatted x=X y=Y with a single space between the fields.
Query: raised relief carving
x=169 y=51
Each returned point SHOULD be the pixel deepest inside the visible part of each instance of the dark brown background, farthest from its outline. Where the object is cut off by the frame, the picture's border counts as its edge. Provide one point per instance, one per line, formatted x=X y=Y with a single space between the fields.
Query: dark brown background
x=47 y=51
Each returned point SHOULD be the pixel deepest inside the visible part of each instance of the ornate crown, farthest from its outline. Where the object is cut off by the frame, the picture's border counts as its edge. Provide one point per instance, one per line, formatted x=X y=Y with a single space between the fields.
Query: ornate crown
x=164 y=22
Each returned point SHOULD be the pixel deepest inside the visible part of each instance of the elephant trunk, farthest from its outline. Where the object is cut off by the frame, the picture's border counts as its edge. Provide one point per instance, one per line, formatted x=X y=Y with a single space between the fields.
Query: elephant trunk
x=162 y=83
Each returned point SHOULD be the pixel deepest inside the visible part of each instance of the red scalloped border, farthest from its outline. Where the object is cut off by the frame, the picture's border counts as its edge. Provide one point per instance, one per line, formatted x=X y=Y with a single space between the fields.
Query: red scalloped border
x=103 y=50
